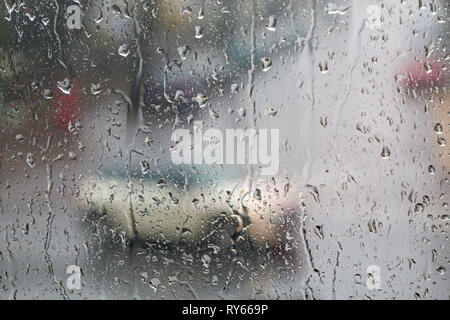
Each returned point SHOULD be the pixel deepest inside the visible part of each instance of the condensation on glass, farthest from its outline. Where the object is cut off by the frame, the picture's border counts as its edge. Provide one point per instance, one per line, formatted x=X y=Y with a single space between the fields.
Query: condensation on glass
x=95 y=204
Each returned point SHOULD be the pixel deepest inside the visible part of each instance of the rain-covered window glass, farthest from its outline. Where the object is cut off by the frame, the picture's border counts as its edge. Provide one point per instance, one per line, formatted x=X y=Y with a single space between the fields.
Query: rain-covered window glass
x=224 y=149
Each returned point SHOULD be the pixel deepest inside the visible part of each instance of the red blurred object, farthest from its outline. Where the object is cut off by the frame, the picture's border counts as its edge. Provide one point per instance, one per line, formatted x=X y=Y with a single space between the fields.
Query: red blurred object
x=424 y=74
x=69 y=106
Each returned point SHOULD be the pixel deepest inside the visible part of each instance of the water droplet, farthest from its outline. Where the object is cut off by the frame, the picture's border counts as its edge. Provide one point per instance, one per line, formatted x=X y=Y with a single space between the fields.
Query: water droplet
x=266 y=63
x=271 y=25
x=201 y=13
x=26 y=229
x=185 y=9
x=271 y=112
x=30 y=160
x=441 y=141
x=257 y=194
x=431 y=169
x=186 y=232
x=179 y=96
x=242 y=112
x=438 y=128
x=198 y=32
x=183 y=51
x=20 y=138
x=161 y=183
x=385 y=152
x=201 y=99
x=47 y=94
x=145 y=166
x=422 y=4
x=433 y=8
x=441 y=270
x=70 y=126
x=65 y=85
x=206 y=260
x=148 y=140
x=319 y=232
x=428 y=67
x=225 y=10
x=144 y=277
x=96 y=88
x=30 y=16
x=124 y=50
x=213 y=114
x=72 y=155
x=173 y=199
x=323 y=67
x=334 y=9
